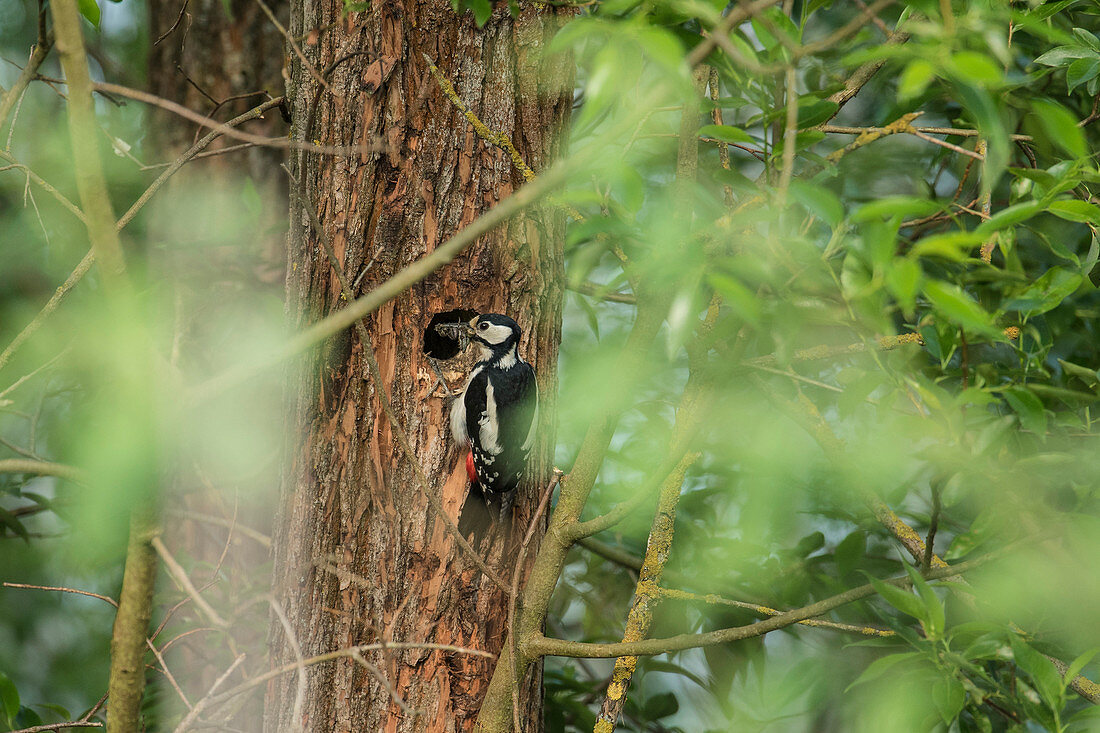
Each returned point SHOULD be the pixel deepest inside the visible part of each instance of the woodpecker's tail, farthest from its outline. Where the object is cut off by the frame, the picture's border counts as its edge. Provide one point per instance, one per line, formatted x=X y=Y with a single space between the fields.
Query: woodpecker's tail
x=478 y=516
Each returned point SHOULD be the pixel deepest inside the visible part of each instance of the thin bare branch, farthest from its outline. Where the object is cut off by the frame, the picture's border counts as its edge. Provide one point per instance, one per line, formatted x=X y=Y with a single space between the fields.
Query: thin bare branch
x=106 y=599
x=180 y=576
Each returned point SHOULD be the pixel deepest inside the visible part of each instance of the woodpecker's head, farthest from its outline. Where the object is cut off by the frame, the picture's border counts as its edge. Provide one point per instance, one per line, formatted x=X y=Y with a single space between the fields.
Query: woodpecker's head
x=497 y=335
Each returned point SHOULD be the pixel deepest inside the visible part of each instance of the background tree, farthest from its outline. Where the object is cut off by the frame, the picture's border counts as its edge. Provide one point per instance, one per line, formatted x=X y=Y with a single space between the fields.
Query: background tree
x=828 y=373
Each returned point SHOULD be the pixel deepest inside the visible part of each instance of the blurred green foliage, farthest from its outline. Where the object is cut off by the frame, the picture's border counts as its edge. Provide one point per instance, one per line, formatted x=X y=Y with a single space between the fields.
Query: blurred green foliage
x=993 y=410
x=984 y=427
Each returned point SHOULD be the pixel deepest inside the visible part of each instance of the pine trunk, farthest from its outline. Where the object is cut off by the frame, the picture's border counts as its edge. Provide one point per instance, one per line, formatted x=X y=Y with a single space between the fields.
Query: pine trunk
x=360 y=556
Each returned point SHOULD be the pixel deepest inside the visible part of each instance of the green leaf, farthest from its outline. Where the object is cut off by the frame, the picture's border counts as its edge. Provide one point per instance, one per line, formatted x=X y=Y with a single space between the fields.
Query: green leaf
x=1009 y=217
x=904 y=206
x=812 y=111
x=1064 y=55
x=1078 y=664
x=1061 y=127
x=660 y=706
x=1047 y=292
x=483 y=9
x=1081 y=71
x=1089 y=376
x=9 y=698
x=937 y=622
x=781 y=23
x=949 y=697
x=819 y=201
x=954 y=246
x=914 y=79
x=90 y=10
x=739 y=298
x=977 y=68
x=1041 y=670
x=1087 y=38
x=958 y=307
x=849 y=552
x=900 y=599
x=727 y=133
x=9 y=520
x=1029 y=408
x=1074 y=210
x=903 y=278
x=809 y=544
x=881 y=666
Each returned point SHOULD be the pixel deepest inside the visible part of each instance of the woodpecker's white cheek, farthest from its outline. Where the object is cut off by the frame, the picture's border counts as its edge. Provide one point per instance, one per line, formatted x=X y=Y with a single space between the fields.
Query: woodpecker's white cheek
x=495 y=334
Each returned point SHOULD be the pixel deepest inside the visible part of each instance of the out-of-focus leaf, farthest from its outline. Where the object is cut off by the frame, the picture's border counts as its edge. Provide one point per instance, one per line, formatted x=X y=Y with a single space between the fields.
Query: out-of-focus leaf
x=1029 y=408
x=727 y=133
x=883 y=665
x=900 y=599
x=9 y=698
x=1009 y=217
x=905 y=206
x=915 y=78
x=660 y=706
x=933 y=607
x=950 y=300
x=819 y=201
x=949 y=697
x=1041 y=670
x=954 y=246
x=812 y=111
x=9 y=520
x=849 y=552
x=1061 y=127
x=742 y=300
x=809 y=544
x=1090 y=376
x=903 y=278
x=90 y=10
x=976 y=68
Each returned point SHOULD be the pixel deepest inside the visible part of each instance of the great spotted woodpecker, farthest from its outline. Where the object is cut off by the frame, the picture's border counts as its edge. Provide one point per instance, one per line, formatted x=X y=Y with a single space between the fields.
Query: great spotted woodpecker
x=495 y=416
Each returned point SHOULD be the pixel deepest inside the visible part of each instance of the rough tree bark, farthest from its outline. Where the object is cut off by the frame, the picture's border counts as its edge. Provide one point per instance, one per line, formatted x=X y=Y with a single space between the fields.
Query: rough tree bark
x=359 y=555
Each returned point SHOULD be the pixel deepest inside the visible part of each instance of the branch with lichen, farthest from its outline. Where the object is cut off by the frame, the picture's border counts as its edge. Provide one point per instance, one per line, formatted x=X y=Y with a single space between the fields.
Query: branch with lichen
x=647 y=593
x=499 y=139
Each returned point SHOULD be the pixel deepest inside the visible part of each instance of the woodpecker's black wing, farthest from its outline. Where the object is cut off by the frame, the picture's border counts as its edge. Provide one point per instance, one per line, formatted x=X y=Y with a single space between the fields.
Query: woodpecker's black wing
x=517 y=414
x=501 y=406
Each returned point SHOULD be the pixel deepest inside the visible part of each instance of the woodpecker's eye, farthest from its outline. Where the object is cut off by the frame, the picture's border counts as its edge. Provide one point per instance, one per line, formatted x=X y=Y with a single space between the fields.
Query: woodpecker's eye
x=483 y=326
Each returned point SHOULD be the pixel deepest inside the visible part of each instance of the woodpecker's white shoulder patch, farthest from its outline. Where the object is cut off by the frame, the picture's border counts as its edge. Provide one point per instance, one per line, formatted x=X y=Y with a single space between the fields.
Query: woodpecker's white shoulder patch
x=488 y=423
x=509 y=359
x=458 y=412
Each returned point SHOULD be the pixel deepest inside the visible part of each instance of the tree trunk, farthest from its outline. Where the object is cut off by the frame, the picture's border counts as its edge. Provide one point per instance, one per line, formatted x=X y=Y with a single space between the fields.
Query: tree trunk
x=360 y=556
